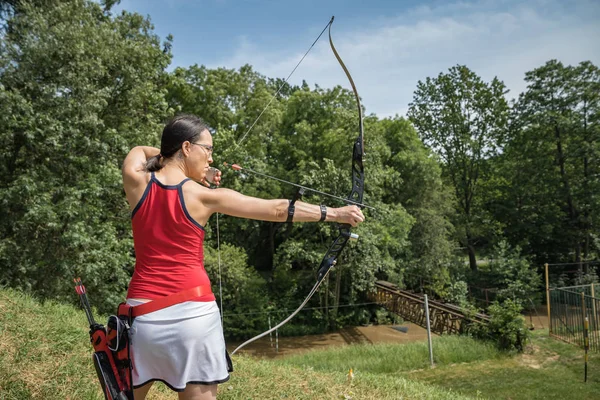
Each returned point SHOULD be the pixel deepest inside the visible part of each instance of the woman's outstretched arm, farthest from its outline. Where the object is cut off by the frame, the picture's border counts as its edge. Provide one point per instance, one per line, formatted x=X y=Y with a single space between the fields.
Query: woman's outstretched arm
x=233 y=203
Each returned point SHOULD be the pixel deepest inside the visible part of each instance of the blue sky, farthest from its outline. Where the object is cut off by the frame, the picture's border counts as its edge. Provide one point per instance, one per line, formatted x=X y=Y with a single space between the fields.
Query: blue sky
x=388 y=46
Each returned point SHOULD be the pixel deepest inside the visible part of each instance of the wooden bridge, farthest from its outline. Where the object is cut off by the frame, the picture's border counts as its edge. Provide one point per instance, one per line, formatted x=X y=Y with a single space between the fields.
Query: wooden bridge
x=444 y=318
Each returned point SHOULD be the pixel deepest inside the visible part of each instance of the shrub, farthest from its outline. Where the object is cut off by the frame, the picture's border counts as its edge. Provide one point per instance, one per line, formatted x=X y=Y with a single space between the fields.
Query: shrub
x=507 y=325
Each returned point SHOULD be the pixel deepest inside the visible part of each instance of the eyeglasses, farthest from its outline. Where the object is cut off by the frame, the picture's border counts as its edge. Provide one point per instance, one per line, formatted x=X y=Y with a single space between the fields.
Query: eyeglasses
x=208 y=147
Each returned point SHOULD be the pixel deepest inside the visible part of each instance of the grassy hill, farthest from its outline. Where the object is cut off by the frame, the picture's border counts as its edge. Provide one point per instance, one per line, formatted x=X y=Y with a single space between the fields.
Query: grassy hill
x=45 y=354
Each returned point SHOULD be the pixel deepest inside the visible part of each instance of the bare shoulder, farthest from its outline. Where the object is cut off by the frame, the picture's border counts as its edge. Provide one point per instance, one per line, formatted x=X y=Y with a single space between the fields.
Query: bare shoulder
x=135 y=176
x=208 y=201
x=208 y=196
x=202 y=202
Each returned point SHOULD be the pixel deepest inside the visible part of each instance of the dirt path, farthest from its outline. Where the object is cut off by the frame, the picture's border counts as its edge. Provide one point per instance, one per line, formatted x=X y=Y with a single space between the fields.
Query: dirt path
x=270 y=348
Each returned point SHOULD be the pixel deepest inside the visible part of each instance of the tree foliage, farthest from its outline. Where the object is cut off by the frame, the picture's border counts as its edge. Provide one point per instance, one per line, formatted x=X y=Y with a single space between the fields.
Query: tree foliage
x=78 y=89
x=463 y=120
x=550 y=202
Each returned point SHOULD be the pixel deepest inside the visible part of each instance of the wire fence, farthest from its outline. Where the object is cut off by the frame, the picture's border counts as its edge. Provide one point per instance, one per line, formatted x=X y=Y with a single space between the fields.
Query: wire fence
x=569 y=307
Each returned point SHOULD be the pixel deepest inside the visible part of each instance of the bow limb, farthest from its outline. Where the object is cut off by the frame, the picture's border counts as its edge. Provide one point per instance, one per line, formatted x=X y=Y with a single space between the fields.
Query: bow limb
x=279 y=325
x=358 y=174
x=358 y=180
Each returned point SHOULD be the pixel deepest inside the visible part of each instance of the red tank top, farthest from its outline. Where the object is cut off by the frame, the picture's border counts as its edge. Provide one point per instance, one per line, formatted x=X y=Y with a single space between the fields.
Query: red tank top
x=168 y=245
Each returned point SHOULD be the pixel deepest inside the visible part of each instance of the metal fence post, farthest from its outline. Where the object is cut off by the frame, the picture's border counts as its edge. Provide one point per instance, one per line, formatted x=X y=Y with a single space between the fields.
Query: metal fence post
x=428 y=331
x=593 y=294
x=586 y=346
x=548 y=298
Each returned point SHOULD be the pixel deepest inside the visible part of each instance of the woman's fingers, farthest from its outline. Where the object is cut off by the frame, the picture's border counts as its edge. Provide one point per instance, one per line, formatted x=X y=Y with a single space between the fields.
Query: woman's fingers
x=217 y=177
x=213 y=176
x=351 y=215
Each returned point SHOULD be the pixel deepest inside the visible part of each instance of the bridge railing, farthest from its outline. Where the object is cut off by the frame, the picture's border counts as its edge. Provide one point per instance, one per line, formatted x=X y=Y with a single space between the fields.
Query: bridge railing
x=444 y=318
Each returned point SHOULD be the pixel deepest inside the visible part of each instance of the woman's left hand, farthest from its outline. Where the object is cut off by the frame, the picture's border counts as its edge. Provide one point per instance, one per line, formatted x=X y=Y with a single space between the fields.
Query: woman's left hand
x=349 y=215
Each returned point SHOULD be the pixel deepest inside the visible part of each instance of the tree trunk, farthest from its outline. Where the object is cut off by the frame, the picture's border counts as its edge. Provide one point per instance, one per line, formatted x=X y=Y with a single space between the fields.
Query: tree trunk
x=471 y=250
x=472 y=259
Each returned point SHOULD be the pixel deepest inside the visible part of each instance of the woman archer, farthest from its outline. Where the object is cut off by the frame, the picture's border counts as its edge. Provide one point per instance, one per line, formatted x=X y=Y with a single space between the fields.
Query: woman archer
x=183 y=345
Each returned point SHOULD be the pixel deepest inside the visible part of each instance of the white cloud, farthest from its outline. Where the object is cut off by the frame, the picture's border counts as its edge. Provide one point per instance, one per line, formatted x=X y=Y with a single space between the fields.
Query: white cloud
x=387 y=59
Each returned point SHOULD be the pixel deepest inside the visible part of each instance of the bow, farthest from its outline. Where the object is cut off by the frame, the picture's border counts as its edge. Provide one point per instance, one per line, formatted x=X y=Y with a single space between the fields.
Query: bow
x=355 y=197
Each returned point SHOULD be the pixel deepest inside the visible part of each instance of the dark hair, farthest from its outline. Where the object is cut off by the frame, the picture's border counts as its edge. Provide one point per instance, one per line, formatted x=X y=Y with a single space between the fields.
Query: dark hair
x=178 y=130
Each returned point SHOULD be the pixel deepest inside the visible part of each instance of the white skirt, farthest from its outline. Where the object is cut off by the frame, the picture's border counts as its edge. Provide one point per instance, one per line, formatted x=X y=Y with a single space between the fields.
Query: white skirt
x=179 y=345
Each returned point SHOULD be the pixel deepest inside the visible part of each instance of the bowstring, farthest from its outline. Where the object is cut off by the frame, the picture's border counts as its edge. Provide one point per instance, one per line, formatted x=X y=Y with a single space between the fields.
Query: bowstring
x=239 y=142
x=220 y=271
x=282 y=85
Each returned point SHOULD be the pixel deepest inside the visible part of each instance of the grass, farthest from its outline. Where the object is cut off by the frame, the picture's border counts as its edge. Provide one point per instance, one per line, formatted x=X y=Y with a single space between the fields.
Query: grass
x=45 y=354
x=548 y=369
x=394 y=358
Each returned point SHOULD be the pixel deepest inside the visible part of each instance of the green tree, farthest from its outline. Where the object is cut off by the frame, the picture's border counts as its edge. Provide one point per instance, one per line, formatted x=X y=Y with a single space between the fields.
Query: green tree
x=413 y=179
x=463 y=120
x=550 y=203
x=78 y=89
x=511 y=274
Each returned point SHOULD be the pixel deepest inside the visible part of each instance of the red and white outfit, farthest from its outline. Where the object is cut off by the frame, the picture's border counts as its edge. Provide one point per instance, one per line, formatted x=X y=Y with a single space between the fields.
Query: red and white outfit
x=182 y=343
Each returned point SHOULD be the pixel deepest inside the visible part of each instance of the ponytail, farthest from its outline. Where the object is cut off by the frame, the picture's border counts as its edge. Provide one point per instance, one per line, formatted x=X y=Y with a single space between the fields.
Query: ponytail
x=153 y=164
